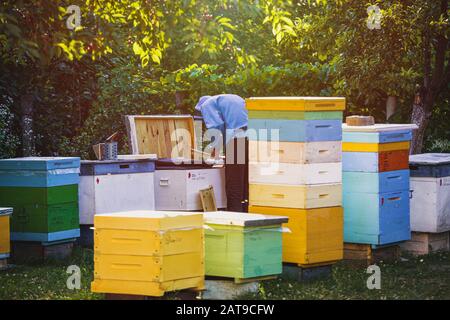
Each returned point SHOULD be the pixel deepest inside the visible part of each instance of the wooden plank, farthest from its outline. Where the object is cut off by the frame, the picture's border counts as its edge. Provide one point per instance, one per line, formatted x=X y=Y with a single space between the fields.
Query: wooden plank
x=208 y=199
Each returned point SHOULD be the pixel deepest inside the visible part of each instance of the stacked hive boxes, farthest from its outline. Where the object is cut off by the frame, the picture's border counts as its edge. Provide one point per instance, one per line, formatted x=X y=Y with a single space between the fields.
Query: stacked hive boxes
x=295 y=171
x=376 y=183
x=430 y=203
x=148 y=252
x=113 y=186
x=5 y=247
x=44 y=195
x=430 y=185
x=243 y=246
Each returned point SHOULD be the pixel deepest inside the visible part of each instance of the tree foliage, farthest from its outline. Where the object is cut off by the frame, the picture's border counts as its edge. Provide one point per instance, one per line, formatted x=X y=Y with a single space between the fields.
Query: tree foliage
x=159 y=56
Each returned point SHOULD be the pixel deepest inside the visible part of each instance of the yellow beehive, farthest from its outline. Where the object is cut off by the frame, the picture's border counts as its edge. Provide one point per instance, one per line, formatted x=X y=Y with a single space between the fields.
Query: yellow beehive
x=315 y=237
x=296 y=103
x=148 y=252
x=5 y=246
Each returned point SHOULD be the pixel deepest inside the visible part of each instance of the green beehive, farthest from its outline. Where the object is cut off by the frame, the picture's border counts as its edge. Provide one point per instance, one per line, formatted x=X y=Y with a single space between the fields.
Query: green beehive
x=42 y=210
x=243 y=246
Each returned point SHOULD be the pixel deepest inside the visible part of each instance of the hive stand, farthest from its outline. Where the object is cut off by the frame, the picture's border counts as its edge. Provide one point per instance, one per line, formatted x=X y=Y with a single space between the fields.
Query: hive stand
x=228 y=289
x=300 y=274
x=422 y=243
x=23 y=251
x=3 y=264
x=189 y=294
x=366 y=254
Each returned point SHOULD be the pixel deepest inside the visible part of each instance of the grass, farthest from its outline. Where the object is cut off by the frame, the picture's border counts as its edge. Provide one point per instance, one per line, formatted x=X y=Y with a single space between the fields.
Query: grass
x=426 y=277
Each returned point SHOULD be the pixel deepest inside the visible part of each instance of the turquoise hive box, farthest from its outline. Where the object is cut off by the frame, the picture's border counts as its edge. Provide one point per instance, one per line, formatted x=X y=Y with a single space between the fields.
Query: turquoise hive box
x=376 y=218
x=39 y=171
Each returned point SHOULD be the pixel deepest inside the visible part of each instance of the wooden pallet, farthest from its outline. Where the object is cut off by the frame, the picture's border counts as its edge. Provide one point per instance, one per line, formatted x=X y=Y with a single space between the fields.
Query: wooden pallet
x=301 y=274
x=181 y=295
x=367 y=254
x=424 y=243
x=25 y=251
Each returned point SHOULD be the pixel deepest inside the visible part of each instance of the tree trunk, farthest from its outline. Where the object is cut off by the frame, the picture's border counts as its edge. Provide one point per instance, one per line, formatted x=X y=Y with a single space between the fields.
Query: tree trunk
x=391 y=106
x=26 y=105
x=420 y=116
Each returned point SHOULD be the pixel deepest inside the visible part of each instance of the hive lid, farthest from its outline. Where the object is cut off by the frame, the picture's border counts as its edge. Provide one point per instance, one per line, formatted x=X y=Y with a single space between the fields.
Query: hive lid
x=379 y=127
x=6 y=211
x=242 y=219
x=148 y=220
x=430 y=159
x=164 y=135
x=39 y=163
x=296 y=103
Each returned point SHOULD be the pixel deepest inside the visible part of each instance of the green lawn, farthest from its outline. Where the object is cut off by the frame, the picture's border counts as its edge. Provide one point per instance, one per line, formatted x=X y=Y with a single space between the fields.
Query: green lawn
x=426 y=277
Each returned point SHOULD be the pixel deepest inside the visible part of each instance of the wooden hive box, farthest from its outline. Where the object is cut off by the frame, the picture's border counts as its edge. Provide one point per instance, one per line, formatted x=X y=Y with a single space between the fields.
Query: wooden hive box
x=430 y=185
x=299 y=197
x=430 y=204
x=315 y=237
x=42 y=214
x=243 y=246
x=5 y=247
x=114 y=186
x=295 y=115
x=295 y=174
x=148 y=252
x=39 y=171
x=177 y=187
x=375 y=161
x=294 y=130
x=372 y=182
x=295 y=104
x=295 y=152
x=376 y=218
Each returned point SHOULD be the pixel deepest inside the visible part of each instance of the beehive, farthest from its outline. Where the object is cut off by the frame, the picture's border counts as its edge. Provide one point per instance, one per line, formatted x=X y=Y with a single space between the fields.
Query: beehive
x=44 y=194
x=242 y=246
x=148 y=252
x=376 y=183
x=113 y=186
x=315 y=237
x=177 y=186
x=5 y=247
x=295 y=170
x=430 y=192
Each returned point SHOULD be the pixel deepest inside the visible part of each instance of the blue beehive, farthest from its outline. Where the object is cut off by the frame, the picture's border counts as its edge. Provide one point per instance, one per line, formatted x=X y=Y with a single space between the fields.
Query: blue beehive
x=376 y=201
